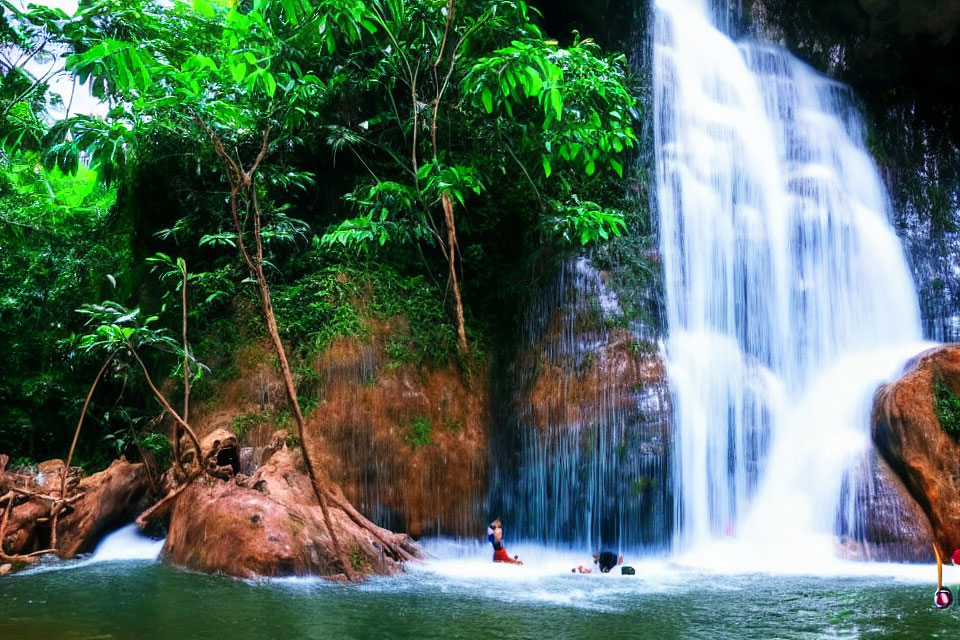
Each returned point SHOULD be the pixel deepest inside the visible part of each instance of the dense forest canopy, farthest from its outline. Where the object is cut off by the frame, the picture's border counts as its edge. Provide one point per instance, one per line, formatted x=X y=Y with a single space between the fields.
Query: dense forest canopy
x=392 y=158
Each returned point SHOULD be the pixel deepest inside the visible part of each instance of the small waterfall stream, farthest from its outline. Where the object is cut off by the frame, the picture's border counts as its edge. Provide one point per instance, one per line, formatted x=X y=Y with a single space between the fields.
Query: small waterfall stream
x=788 y=295
x=127 y=543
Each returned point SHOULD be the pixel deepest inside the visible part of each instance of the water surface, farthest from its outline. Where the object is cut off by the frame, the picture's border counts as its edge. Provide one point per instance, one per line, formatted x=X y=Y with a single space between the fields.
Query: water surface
x=468 y=597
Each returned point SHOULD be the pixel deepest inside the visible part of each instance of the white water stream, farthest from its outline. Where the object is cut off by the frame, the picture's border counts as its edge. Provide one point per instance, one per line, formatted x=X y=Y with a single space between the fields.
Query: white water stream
x=127 y=543
x=788 y=295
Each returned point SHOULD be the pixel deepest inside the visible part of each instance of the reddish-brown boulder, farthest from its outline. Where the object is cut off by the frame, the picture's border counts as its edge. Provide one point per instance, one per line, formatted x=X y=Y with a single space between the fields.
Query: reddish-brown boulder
x=110 y=499
x=24 y=526
x=909 y=436
x=94 y=505
x=271 y=525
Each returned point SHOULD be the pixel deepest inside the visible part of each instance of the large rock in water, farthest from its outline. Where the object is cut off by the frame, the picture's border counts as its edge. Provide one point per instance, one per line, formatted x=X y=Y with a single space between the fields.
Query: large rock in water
x=271 y=525
x=109 y=499
x=908 y=434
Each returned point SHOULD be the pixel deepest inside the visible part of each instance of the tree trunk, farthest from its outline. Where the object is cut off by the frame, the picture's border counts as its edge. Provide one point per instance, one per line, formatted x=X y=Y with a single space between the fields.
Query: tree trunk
x=454 y=283
x=243 y=182
x=274 y=332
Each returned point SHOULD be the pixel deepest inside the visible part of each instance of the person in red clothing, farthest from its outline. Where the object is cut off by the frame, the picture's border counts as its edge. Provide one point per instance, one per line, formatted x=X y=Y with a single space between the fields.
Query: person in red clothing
x=495 y=536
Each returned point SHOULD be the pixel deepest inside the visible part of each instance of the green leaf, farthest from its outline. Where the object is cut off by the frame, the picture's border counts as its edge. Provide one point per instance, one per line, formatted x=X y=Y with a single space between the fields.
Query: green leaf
x=547 y=169
x=617 y=167
x=238 y=71
x=204 y=8
x=270 y=85
x=487 y=97
x=556 y=101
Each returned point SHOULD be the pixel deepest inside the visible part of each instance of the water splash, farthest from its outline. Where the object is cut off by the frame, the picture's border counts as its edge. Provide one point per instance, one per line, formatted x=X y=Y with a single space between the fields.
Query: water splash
x=127 y=543
x=788 y=295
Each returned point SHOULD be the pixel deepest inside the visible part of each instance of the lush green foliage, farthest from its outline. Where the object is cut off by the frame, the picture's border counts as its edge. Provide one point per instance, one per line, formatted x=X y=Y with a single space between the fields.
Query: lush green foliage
x=361 y=115
x=357 y=300
x=59 y=246
x=451 y=109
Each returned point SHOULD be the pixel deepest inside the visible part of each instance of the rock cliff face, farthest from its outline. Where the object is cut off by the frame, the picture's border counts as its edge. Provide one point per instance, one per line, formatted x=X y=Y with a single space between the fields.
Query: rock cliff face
x=909 y=435
x=407 y=443
x=894 y=527
x=582 y=433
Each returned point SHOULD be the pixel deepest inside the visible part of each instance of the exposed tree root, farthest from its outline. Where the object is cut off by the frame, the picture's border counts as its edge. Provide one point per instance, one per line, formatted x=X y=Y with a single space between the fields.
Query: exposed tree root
x=390 y=548
x=164 y=502
x=29 y=558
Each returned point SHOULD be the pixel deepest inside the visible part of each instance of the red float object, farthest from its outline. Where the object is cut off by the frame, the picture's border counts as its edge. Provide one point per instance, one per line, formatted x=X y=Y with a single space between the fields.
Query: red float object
x=943 y=598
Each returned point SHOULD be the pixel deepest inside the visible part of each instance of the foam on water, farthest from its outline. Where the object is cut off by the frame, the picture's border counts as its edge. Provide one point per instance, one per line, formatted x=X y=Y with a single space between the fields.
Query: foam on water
x=471 y=562
x=466 y=570
x=126 y=544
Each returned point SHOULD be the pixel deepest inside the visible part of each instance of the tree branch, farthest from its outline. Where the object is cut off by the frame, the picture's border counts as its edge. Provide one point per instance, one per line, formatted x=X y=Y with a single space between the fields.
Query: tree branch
x=166 y=405
x=83 y=412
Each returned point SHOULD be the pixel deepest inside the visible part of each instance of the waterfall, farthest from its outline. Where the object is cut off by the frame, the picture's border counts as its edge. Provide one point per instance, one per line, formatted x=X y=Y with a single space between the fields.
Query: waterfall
x=788 y=295
x=583 y=427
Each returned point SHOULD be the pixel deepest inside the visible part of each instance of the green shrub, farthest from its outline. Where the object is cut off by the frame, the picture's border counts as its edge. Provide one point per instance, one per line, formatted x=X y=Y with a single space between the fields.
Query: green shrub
x=158 y=445
x=948 y=409
x=420 y=433
x=242 y=423
x=357 y=559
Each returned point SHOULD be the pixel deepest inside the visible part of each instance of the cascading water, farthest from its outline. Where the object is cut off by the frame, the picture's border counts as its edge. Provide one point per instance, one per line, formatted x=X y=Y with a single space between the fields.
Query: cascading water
x=788 y=295
x=581 y=458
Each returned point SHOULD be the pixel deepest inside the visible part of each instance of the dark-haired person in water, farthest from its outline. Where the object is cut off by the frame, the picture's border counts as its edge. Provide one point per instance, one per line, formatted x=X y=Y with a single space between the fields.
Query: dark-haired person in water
x=495 y=536
x=607 y=560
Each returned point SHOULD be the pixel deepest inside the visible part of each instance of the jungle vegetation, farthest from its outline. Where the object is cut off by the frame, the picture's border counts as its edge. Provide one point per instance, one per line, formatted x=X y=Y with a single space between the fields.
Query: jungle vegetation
x=277 y=171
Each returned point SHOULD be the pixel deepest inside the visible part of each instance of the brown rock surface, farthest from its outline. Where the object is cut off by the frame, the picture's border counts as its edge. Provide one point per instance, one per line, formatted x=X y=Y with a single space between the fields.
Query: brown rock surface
x=269 y=525
x=106 y=500
x=23 y=533
x=111 y=498
x=360 y=429
x=907 y=432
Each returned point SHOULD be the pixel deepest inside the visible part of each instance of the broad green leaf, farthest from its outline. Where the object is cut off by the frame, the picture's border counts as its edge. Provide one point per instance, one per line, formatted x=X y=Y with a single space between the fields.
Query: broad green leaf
x=487 y=97
x=270 y=85
x=204 y=8
x=556 y=101
x=617 y=167
x=238 y=71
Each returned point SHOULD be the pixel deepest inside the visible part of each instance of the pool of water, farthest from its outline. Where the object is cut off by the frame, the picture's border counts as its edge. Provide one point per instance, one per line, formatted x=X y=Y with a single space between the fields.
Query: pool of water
x=465 y=596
